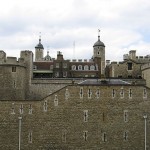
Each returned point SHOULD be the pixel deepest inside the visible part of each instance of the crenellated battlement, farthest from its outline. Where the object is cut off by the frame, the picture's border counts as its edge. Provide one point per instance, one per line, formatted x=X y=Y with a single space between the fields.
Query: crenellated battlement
x=82 y=60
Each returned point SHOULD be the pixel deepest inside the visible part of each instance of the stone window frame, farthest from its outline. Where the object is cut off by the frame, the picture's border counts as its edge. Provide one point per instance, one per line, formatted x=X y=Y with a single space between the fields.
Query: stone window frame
x=122 y=93
x=14 y=83
x=13 y=109
x=125 y=135
x=45 y=105
x=30 y=137
x=30 y=109
x=67 y=94
x=21 y=109
x=14 y=69
x=89 y=93
x=64 y=135
x=56 y=101
x=126 y=116
x=85 y=117
x=113 y=93
x=85 y=135
x=81 y=93
x=130 y=93
x=98 y=93
x=144 y=93
x=104 y=137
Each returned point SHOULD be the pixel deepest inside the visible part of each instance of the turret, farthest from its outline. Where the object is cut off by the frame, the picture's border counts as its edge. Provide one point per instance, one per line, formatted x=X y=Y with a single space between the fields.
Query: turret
x=39 y=50
x=99 y=53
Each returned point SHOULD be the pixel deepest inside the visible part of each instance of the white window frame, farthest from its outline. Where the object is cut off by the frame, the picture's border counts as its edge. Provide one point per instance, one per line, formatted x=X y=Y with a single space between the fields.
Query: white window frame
x=80 y=67
x=86 y=67
x=92 y=67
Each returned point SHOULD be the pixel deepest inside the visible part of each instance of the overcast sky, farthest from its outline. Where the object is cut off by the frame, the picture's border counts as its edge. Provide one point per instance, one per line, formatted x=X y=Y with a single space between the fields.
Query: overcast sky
x=124 y=25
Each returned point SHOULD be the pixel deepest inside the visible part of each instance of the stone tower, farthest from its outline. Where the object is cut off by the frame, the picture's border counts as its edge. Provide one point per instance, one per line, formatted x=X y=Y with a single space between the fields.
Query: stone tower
x=39 y=50
x=99 y=53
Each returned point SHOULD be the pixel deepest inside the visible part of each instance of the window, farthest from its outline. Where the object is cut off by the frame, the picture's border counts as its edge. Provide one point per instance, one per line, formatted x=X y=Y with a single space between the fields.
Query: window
x=13 y=69
x=125 y=115
x=80 y=67
x=122 y=93
x=21 y=109
x=30 y=109
x=85 y=115
x=34 y=67
x=92 y=67
x=51 y=67
x=104 y=137
x=66 y=94
x=73 y=67
x=64 y=74
x=97 y=93
x=130 y=66
x=125 y=136
x=45 y=105
x=113 y=93
x=144 y=93
x=130 y=93
x=103 y=116
x=81 y=92
x=30 y=137
x=12 y=109
x=64 y=65
x=64 y=133
x=86 y=67
x=89 y=93
x=56 y=74
x=85 y=135
x=56 y=101
x=57 y=65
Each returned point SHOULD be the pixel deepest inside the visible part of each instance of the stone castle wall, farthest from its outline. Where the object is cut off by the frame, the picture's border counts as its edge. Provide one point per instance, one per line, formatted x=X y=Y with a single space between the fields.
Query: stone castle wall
x=67 y=121
x=40 y=88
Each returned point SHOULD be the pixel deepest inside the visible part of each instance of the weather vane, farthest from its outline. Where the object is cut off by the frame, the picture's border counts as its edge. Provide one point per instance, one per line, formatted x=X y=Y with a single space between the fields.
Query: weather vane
x=99 y=32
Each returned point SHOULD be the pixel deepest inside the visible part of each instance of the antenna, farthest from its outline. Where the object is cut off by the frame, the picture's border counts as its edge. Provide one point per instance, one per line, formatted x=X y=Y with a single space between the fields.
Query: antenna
x=74 y=49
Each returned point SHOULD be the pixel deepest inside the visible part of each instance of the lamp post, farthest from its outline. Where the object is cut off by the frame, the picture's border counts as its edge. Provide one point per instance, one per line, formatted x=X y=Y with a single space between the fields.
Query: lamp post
x=20 y=118
x=145 y=117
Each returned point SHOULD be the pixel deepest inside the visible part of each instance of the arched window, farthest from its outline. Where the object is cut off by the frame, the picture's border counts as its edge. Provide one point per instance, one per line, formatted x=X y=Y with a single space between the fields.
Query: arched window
x=73 y=67
x=92 y=67
x=80 y=67
x=86 y=67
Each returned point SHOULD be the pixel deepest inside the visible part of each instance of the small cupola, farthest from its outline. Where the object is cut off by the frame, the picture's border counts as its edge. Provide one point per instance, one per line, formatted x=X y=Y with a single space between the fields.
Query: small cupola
x=99 y=43
x=39 y=45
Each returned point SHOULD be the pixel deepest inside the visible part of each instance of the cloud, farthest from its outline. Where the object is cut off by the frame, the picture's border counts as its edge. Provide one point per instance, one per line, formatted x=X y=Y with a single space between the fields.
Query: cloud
x=124 y=25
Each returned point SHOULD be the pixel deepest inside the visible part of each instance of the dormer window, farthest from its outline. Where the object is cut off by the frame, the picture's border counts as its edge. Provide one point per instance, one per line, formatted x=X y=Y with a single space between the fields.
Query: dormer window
x=79 y=67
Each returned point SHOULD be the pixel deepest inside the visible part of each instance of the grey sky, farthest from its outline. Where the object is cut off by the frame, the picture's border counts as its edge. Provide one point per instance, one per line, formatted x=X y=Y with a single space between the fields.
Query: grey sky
x=124 y=25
